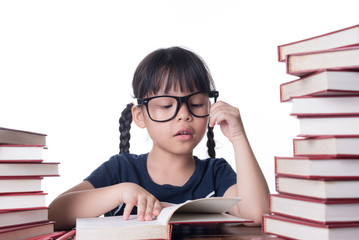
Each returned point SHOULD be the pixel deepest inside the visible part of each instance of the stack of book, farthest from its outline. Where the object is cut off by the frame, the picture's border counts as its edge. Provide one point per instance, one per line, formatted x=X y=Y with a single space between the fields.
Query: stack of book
x=23 y=211
x=318 y=187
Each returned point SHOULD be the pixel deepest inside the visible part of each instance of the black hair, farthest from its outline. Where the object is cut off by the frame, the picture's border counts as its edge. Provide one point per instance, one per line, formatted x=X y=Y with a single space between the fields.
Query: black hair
x=174 y=67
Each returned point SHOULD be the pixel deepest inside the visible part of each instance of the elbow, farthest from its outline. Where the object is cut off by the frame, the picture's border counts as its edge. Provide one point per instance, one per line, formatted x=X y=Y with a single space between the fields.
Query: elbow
x=59 y=213
x=256 y=215
x=256 y=221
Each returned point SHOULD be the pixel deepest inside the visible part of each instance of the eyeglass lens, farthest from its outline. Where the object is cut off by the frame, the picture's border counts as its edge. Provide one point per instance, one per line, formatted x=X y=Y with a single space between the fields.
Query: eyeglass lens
x=164 y=108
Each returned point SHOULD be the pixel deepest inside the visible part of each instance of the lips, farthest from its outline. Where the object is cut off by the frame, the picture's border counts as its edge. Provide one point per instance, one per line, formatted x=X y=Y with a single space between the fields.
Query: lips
x=184 y=132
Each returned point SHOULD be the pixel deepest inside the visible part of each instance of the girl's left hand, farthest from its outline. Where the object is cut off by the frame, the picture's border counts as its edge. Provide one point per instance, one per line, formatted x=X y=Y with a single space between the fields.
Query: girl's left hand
x=228 y=118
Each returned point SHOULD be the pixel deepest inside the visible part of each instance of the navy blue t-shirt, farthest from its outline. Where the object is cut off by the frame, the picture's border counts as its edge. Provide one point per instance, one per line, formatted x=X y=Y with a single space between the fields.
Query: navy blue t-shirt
x=211 y=178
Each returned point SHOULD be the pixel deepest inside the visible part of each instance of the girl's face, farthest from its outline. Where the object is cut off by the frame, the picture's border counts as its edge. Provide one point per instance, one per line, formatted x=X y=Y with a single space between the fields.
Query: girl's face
x=181 y=134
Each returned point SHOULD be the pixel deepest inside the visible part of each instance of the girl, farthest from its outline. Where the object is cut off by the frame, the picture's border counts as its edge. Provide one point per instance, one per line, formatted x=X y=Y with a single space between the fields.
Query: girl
x=176 y=103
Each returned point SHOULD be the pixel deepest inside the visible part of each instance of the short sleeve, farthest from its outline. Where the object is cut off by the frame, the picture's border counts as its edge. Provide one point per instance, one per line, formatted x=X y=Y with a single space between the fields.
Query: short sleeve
x=106 y=174
x=224 y=176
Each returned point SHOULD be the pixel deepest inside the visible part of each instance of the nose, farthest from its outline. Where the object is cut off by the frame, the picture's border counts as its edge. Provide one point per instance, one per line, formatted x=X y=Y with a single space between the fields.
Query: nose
x=184 y=113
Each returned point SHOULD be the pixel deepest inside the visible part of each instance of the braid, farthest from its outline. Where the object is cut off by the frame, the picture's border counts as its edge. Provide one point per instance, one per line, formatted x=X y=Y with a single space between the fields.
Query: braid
x=125 y=126
x=211 y=143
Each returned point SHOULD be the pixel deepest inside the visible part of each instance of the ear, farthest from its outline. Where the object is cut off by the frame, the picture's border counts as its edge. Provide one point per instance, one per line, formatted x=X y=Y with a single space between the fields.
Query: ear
x=137 y=116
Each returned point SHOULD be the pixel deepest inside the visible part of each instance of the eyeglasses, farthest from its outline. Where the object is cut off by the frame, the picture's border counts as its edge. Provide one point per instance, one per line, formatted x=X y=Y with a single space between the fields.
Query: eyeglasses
x=165 y=108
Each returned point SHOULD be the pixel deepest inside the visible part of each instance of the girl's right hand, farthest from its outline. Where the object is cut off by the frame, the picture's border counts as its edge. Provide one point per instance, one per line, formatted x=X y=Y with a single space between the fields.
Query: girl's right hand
x=134 y=195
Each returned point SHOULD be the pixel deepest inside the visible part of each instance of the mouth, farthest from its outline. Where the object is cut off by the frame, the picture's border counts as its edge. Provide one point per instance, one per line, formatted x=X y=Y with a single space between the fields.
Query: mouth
x=183 y=132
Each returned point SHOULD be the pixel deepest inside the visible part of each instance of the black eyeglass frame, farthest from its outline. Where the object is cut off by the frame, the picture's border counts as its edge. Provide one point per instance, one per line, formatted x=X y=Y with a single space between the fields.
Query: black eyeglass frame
x=184 y=99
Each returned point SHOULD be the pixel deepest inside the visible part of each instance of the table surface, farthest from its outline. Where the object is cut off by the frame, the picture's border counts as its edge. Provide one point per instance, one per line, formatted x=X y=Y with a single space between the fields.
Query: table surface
x=218 y=231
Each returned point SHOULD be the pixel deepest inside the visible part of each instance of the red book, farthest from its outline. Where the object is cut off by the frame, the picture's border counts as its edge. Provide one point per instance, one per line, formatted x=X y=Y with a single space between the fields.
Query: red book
x=345 y=126
x=21 y=201
x=327 y=187
x=67 y=235
x=13 y=136
x=336 y=59
x=62 y=235
x=28 y=168
x=324 y=211
x=49 y=236
x=21 y=152
x=322 y=83
x=317 y=167
x=335 y=39
x=297 y=229
x=21 y=217
x=326 y=106
x=20 y=184
x=27 y=231
x=328 y=146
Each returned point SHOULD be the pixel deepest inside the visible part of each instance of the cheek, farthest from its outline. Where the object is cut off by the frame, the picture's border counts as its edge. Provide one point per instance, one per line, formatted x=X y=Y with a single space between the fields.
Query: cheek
x=158 y=132
x=202 y=126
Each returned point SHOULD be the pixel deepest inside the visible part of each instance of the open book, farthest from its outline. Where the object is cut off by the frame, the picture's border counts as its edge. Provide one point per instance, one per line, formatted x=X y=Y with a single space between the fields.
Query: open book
x=204 y=210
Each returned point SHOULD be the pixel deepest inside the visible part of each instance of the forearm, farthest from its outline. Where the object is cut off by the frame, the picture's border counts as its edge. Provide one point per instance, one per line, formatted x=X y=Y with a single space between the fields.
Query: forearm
x=251 y=184
x=83 y=203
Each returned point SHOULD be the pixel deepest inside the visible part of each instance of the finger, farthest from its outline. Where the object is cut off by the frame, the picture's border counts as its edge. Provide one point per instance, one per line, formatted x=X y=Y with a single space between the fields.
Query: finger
x=128 y=209
x=218 y=105
x=224 y=114
x=157 y=208
x=141 y=208
x=149 y=210
x=218 y=110
x=216 y=118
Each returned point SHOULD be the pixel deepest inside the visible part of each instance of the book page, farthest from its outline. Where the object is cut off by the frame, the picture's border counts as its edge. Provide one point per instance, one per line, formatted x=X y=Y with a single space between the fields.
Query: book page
x=208 y=205
x=112 y=222
x=204 y=205
x=205 y=218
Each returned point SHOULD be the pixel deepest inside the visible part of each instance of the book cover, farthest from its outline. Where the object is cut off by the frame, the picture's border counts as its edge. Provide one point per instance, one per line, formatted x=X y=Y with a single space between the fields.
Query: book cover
x=13 y=136
x=339 y=38
x=207 y=210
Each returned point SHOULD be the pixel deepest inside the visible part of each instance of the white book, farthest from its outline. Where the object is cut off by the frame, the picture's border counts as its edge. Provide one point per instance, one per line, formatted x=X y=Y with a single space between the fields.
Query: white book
x=205 y=210
x=322 y=83
x=21 y=152
x=324 y=126
x=327 y=146
x=29 y=169
x=324 y=106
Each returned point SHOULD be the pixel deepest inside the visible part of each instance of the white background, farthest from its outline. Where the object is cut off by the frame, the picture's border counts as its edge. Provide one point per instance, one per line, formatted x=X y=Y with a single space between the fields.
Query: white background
x=66 y=69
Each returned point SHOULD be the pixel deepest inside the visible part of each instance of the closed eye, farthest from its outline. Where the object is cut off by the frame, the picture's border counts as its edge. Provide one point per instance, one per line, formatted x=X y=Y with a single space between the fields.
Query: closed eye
x=165 y=106
x=196 y=105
